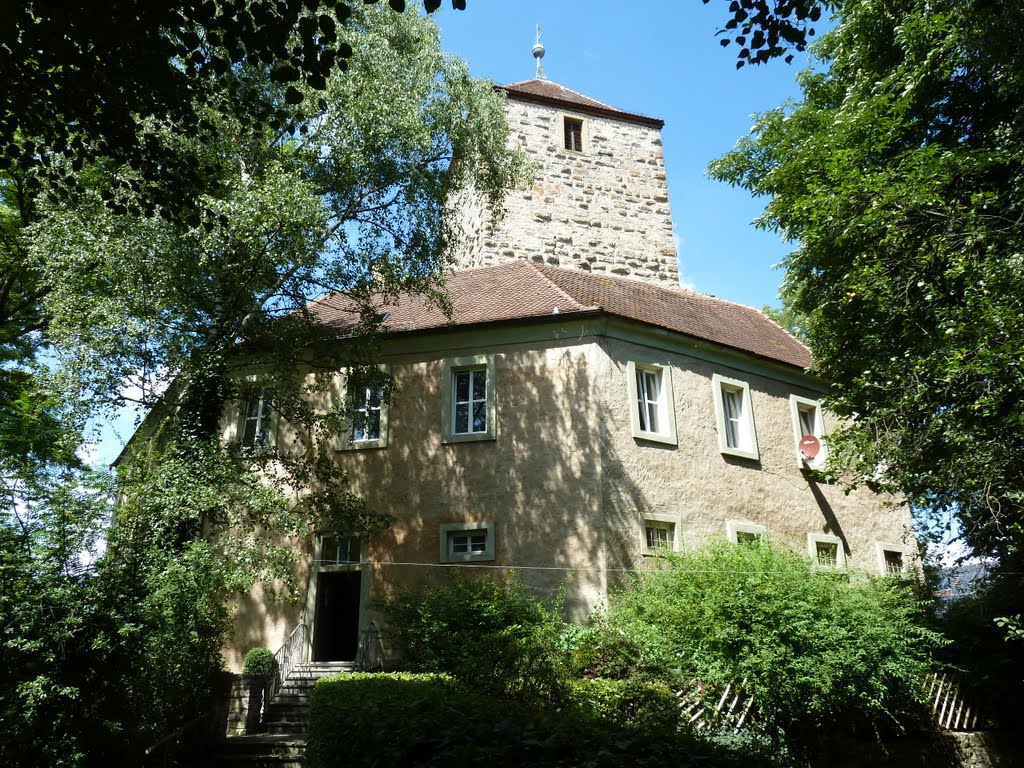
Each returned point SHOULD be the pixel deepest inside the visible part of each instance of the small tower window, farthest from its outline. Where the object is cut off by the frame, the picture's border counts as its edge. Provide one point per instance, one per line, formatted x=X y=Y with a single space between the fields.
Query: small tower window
x=573 y=134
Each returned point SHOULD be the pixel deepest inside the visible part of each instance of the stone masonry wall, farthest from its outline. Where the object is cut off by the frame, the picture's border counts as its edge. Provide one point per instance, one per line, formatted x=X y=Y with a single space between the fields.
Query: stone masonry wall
x=604 y=209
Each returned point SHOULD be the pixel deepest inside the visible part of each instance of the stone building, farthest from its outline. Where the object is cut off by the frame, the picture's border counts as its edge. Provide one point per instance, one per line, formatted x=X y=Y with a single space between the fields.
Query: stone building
x=579 y=413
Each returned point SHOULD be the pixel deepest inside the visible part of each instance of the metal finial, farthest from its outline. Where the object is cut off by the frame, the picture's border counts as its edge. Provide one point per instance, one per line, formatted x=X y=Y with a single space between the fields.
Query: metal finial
x=538 y=54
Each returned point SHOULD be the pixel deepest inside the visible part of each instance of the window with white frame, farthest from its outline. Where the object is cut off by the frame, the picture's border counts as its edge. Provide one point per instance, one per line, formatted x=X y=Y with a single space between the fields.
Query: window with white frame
x=468 y=405
x=826 y=550
x=893 y=559
x=652 y=412
x=735 y=417
x=366 y=405
x=259 y=421
x=338 y=551
x=467 y=542
x=744 y=533
x=807 y=421
x=660 y=533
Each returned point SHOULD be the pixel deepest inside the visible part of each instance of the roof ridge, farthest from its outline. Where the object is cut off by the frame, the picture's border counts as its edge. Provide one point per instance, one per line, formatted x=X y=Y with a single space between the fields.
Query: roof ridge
x=540 y=272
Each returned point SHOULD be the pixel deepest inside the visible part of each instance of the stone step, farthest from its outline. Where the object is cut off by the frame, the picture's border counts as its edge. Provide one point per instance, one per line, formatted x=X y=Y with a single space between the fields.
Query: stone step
x=293 y=698
x=287 y=714
x=263 y=751
x=287 y=728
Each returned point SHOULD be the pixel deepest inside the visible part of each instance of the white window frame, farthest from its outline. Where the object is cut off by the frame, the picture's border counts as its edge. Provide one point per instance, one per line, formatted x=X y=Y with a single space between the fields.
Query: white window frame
x=355 y=544
x=746 y=447
x=450 y=530
x=660 y=520
x=882 y=547
x=796 y=405
x=584 y=132
x=813 y=539
x=666 y=412
x=267 y=413
x=733 y=528
x=344 y=441
x=450 y=369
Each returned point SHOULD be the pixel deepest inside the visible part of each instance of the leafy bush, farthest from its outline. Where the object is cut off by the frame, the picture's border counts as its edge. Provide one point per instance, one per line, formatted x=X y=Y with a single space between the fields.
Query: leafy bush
x=602 y=652
x=816 y=648
x=648 y=707
x=259 y=662
x=492 y=635
x=403 y=719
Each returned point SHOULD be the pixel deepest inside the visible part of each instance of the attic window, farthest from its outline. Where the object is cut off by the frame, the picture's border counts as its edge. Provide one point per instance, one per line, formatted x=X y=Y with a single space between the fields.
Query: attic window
x=573 y=133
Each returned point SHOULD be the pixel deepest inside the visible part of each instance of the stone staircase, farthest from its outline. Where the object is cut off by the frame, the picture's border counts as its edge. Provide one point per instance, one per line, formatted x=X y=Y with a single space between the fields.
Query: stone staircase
x=285 y=718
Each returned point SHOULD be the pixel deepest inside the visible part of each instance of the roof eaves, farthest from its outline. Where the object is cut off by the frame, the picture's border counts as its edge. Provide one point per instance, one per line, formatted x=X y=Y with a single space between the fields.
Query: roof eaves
x=588 y=109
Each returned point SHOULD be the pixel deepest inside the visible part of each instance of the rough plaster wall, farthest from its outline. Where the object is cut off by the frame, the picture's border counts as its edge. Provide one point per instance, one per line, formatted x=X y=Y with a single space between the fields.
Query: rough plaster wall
x=539 y=481
x=604 y=210
x=704 y=488
x=567 y=484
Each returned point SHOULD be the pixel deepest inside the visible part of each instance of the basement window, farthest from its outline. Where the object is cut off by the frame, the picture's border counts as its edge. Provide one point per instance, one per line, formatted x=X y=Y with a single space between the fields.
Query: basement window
x=826 y=550
x=745 y=533
x=467 y=542
x=892 y=559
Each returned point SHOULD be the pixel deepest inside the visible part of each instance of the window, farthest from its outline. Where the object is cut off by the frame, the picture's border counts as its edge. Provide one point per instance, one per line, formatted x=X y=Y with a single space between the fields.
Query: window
x=652 y=413
x=744 y=533
x=573 y=130
x=367 y=411
x=259 y=422
x=366 y=405
x=826 y=550
x=335 y=551
x=468 y=406
x=736 y=435
x=807 y=420
x=892 y=559
x=467 y=542
x=660 y=533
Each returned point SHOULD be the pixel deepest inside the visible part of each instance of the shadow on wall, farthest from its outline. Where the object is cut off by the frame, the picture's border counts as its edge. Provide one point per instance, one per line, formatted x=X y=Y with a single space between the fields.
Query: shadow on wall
x=542 y=481
x=832 y=525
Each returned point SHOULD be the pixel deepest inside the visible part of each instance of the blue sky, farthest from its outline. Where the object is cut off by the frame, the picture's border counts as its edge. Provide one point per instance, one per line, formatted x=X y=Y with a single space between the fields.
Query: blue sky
x=662 y=59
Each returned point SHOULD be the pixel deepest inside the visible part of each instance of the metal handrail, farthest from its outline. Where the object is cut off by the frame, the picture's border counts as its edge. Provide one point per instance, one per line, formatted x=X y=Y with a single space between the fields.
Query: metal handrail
x=288 y=655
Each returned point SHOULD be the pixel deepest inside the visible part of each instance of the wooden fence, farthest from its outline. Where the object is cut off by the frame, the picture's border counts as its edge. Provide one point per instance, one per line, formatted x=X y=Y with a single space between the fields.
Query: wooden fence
x=953 y=704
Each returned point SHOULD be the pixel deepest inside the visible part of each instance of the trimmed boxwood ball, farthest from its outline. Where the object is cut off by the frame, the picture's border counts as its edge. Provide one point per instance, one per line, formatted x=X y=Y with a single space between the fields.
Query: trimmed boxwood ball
x=259 y=662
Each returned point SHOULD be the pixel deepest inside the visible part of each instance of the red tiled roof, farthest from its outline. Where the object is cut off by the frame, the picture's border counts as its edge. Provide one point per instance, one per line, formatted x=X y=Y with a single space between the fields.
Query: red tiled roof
x=518 y=290
x=547 y=92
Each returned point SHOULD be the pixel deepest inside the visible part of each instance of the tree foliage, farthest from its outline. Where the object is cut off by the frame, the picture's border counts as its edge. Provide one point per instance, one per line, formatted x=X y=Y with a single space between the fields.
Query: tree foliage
x=181 y=313
x=764 y=30
x=898 y=176
x=79 y=87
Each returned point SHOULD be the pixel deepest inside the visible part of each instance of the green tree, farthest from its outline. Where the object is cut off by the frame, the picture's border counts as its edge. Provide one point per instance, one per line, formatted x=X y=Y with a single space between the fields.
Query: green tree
x=898 y=177
x=352 y=199
x=79 y=87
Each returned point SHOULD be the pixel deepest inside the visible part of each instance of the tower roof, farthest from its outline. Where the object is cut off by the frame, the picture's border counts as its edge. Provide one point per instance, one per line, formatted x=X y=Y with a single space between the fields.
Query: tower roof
x=543 y=91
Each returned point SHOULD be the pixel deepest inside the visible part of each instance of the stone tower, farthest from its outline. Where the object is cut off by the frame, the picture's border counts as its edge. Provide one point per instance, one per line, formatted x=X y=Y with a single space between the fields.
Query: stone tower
x=599 y=199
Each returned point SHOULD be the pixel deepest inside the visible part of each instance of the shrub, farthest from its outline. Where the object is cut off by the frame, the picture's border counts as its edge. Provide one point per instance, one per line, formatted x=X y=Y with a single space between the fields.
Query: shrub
x=814 y=647
x=651 y=708
x=403 y=719
x=492 y=635
x=259 y=662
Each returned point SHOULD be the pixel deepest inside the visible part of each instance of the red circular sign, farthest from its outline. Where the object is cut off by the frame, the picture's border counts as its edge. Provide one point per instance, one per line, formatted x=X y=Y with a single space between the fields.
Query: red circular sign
x=810 y=446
